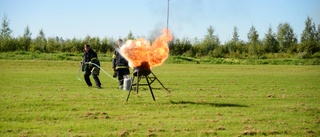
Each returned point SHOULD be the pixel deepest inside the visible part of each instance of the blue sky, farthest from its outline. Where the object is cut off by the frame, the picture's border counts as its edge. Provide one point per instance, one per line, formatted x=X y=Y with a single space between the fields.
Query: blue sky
x=144 y=18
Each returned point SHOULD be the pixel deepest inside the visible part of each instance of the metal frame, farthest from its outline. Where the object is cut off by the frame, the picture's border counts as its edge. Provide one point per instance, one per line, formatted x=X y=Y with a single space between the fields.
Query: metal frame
x=149 y=79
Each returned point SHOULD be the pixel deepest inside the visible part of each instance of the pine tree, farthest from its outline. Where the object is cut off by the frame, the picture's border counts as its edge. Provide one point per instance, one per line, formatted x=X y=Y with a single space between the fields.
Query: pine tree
x=6 y=42
x=253 y=41
x=270 y=42
x=286 y=38
x=210 y=41
x=5 y=30
x=26 y=39
x=309 y=37
x=40 y=43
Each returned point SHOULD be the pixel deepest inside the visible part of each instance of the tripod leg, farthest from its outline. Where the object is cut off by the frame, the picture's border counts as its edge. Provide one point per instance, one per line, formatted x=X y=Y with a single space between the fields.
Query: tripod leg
x=150 y=89
x=138 y=80
x=162 y=85
x=160 y=82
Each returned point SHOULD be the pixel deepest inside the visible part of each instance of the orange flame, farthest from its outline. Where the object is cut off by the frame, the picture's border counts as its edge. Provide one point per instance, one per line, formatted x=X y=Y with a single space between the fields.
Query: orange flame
x=138 y=51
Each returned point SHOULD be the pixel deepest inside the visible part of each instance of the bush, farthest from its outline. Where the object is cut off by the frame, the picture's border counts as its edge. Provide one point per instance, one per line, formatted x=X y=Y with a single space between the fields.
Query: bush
x=107 y=57
x=316 y=55
x=302 y=55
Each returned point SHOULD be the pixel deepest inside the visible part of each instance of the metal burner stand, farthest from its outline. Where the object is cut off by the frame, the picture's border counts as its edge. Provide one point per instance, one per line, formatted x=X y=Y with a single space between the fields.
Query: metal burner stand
x=149 y=79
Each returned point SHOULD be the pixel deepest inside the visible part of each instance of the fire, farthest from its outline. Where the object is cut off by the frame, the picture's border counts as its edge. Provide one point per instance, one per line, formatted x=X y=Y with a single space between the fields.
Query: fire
x=139 y=51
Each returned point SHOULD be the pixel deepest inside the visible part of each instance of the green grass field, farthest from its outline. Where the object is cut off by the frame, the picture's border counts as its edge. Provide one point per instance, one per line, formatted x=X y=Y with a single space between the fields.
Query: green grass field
x=44 y=98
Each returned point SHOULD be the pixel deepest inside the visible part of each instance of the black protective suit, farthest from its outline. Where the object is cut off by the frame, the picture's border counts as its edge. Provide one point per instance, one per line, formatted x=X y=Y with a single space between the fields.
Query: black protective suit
x=120 y=66
x=89 y=69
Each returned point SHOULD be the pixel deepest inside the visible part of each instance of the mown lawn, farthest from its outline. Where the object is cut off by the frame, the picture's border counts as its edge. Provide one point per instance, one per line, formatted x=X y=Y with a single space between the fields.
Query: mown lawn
x=44 y=98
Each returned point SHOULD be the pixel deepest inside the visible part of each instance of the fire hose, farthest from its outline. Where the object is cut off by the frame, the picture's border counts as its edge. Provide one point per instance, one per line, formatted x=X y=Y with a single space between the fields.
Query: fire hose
x=96 y=66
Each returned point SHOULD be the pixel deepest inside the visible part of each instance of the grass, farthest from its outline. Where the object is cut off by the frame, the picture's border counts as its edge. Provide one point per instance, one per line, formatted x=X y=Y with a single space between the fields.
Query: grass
x=44 y=98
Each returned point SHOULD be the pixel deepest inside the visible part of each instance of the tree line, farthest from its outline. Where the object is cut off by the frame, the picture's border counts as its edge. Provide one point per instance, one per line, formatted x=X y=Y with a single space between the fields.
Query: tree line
x=283 y=41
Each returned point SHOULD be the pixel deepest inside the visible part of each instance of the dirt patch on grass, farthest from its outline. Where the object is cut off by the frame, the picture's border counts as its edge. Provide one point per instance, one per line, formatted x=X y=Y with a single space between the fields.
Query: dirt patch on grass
x=95 y=115
x=123 y=133
x=251 y=132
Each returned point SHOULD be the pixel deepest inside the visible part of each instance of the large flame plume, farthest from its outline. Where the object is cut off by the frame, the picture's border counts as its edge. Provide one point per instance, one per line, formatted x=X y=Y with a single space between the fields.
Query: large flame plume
x=139 y=51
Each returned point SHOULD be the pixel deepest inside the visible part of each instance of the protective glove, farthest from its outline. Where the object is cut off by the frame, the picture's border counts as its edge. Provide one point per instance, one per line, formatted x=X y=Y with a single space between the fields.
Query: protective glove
x=95 y=70
x=114 y=75
x=88 y=63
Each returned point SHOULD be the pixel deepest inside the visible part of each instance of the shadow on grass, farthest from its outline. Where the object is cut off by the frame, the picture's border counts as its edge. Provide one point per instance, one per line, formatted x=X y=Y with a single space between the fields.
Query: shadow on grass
x=208 y=103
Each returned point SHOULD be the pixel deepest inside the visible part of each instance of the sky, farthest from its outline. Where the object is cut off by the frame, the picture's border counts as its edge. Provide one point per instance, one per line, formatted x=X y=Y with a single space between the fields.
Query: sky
x=146 y=18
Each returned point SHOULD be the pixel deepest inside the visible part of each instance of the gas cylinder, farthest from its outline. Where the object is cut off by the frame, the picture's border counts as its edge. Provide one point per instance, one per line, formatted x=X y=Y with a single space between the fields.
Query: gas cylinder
x=126 y=82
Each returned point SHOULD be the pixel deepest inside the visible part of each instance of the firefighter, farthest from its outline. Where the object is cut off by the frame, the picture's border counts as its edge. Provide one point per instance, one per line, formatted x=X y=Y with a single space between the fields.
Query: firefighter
x=90 y=57
x=120 y=65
